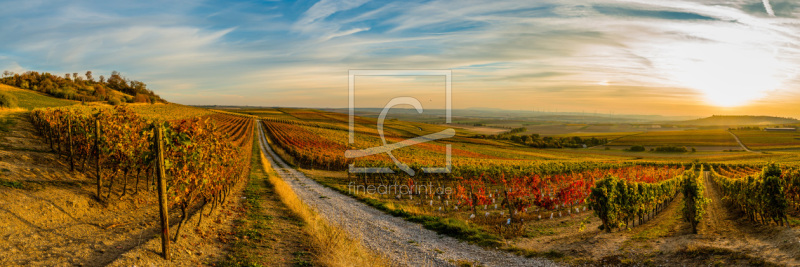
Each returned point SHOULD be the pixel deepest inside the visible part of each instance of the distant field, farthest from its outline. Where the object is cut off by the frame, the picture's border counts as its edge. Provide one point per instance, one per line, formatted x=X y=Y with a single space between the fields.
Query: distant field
x=599 y=135
x=709 y=143
x=29 y=99
x=769 y=140
x=589 y=130
x=554 y=129
x=169 y=111
x=718 y=137
x=480 y=129
x=163 y=112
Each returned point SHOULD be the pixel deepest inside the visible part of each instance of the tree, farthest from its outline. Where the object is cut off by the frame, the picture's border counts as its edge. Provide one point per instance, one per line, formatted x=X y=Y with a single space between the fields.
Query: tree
x=66 y=76
x=89 y=76
x=102 y=79
x=75 y=76
x=100 y=91
x=141 y=98
x=7 y=74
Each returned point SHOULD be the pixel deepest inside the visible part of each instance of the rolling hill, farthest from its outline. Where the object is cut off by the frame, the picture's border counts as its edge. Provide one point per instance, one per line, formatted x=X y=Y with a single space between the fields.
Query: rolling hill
x=718 y=120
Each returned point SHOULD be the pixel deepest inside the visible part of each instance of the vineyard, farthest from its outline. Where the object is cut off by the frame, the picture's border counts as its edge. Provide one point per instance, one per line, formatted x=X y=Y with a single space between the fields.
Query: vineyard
x=763 y=197
x=643 y=190
x=527 y=194
x=203 y=157
x=322 y=146
x=497 y=192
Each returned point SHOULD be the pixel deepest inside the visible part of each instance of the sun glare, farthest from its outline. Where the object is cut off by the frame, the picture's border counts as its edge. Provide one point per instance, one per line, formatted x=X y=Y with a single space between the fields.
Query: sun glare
x=728 y=75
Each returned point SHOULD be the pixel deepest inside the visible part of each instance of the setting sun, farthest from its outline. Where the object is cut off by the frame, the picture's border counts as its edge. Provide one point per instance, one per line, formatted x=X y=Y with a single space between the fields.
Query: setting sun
x=730 y=74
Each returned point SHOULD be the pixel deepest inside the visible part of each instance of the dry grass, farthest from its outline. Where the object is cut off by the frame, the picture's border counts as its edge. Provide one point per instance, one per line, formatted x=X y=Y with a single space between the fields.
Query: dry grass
x=413 y=209
x=334 y=246
x=11 y=109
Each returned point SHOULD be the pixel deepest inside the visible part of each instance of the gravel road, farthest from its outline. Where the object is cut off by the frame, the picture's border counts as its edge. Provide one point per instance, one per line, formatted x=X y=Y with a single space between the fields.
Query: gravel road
x=402 y=242
x=740 y=142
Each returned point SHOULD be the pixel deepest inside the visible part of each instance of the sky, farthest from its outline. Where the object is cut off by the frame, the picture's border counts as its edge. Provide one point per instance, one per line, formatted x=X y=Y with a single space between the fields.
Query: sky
x=668 y=57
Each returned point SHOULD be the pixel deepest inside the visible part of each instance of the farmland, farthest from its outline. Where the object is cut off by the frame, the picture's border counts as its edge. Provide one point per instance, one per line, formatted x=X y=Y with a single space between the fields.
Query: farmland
x=763 y=140
x=491 y=181
x=715 y=138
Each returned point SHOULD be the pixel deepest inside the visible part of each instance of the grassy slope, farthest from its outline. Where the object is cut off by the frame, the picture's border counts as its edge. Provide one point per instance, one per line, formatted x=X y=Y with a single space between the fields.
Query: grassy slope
x=28 y=99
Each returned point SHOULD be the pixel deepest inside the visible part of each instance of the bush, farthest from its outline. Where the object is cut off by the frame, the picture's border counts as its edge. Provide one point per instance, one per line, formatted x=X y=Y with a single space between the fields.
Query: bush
x=636 y=148
x=114 y=101
x=7 y=100
x=673 y=149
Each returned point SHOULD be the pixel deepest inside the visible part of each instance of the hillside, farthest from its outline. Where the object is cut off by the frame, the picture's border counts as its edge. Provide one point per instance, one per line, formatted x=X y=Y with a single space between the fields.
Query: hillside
x=114 y=90
x=54 y=214
x=718 y=120
x=29 y=99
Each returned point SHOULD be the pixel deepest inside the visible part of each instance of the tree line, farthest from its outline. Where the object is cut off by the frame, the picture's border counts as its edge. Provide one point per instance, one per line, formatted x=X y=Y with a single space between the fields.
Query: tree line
x=534 y=140
x=84 y=88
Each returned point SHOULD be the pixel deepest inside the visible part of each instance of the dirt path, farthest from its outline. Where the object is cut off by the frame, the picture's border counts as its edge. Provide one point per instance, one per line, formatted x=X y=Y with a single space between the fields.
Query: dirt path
x=404 y=243
x=722 y=227
x=740 y=142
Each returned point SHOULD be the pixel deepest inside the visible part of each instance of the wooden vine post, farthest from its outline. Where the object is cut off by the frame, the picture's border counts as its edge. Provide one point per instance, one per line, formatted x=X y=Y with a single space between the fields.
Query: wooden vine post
x=162 y=189
x=97 y=159
x=69 y=136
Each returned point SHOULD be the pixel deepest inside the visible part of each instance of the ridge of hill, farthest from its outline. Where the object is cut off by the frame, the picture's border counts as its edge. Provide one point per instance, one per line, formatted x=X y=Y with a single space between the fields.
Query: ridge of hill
x=731 y=120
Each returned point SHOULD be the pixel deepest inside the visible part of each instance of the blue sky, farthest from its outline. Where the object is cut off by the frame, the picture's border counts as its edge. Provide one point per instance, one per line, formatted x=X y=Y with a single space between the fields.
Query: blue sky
x=653 y=57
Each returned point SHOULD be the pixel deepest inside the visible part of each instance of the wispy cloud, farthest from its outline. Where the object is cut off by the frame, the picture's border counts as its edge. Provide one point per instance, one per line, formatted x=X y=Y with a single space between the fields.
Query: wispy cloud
x=297 y=53
x=768 y=7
